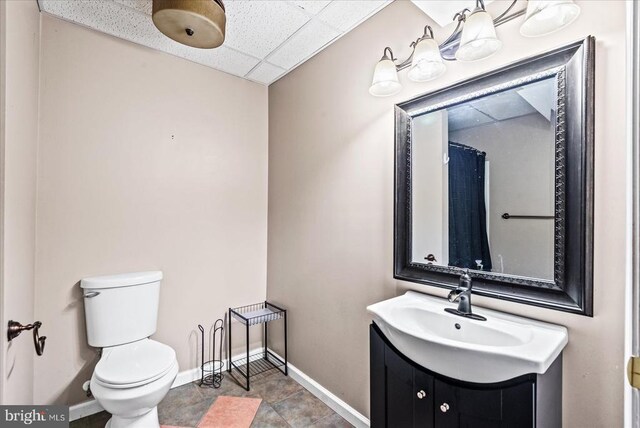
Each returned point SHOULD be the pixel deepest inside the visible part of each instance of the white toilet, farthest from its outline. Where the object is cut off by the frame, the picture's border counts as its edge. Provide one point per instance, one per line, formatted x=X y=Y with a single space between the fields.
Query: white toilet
x=134 y=372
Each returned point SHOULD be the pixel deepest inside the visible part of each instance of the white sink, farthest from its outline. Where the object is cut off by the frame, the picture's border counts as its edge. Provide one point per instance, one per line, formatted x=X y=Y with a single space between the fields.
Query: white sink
x=501 y=348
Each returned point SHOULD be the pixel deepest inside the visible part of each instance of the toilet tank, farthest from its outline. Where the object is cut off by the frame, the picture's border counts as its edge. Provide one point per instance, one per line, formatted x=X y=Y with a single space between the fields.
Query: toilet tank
x=121 y=308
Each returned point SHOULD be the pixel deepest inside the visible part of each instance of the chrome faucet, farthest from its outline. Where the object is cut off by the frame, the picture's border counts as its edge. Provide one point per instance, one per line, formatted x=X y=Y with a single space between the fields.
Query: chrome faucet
x=462 y=295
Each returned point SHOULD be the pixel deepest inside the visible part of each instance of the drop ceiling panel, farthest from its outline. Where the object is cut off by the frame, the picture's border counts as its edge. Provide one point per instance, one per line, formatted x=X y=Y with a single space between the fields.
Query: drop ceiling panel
x=465 y=116
x=346 y=14
x=143 y=6
x=266 y=73
x=277 y=21
x=222 y=58
x=310 y=39
x=109 y=17
x=504 y=105
x=265 y=39
x=312 y=6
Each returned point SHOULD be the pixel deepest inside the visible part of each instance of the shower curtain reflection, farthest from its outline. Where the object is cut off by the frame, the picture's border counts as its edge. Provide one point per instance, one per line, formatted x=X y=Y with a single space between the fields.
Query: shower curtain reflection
x=468 y=241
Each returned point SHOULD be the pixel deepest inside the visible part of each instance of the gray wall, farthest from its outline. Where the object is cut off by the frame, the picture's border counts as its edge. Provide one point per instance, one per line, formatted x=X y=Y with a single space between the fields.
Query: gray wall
x=146 y=161
x=19 y=75
x=331 y=205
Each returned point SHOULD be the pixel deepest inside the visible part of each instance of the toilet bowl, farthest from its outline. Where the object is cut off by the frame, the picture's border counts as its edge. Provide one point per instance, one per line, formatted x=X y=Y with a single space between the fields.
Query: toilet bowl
x=130 y=381
x=134 y=372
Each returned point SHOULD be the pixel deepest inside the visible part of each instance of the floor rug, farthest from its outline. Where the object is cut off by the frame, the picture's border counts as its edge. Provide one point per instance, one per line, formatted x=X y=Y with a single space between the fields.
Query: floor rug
x=230 y=412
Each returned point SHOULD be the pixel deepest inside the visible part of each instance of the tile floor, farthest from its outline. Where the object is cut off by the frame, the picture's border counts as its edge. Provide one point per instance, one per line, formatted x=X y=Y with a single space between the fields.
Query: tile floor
x=285 y=403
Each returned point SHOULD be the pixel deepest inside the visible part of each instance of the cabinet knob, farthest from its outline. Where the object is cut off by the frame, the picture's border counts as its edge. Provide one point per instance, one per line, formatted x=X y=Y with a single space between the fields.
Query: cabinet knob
x=444 y=407
x=421 y=394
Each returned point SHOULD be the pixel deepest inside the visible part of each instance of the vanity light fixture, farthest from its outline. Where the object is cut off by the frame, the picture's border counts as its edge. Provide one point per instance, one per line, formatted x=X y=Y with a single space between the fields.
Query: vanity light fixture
x=473 y=39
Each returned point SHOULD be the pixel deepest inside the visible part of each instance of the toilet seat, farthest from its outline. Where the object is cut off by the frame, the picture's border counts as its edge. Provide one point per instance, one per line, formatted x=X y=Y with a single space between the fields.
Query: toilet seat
x=134 y=364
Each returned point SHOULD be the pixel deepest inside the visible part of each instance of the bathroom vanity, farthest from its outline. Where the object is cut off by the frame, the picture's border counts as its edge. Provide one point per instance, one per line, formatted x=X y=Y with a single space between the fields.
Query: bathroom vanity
x=493 y=187
x=430 y=368
x=404 y=394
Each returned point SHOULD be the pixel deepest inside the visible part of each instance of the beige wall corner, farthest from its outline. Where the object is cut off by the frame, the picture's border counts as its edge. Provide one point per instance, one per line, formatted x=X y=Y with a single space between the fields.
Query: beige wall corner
x=146 y=161
x=20 y=27
x=331 y=205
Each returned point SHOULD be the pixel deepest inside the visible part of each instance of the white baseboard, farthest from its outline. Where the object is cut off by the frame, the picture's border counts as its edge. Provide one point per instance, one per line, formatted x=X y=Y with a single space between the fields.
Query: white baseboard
x=194 y=374
x=186 y=377
x=90 y=407
x=350 y=414
x=84 y=409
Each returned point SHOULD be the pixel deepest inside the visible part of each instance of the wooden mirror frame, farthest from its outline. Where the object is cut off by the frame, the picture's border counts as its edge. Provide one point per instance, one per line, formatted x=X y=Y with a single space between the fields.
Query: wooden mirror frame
x=571 y=290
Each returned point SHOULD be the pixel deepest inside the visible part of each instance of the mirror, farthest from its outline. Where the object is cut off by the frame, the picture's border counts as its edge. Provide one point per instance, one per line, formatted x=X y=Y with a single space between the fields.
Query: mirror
x=495 y=175
x=483 y=183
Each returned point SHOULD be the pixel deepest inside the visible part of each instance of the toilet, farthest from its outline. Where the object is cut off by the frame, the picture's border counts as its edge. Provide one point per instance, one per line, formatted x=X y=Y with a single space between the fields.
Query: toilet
x=134 y=372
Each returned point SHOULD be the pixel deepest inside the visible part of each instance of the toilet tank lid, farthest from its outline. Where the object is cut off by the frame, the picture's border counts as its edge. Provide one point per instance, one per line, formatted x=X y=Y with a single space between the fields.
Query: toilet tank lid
x=121 y=280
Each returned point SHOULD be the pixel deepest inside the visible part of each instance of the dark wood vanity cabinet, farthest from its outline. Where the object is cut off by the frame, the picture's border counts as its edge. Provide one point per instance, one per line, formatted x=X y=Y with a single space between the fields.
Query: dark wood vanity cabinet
x=405 y=395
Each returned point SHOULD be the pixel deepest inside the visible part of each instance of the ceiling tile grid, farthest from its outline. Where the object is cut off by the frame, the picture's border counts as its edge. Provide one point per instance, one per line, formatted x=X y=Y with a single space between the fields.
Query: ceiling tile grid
x=266 y=72
x=265 y=39
x=223 y=58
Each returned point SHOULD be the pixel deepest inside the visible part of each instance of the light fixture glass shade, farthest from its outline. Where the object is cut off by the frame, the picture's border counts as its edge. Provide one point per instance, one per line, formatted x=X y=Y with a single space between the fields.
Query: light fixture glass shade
x=427 y=62
x=546 y=16
x=385 y=79
x=478 y=39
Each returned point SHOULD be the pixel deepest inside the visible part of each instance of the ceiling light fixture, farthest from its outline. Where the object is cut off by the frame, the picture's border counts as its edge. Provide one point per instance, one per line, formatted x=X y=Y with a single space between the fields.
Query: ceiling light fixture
x=195 y=23
x=473 y=39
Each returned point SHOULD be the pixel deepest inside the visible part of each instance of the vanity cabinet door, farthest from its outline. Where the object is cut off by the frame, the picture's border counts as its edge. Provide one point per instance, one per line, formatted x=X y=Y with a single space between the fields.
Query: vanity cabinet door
x=465 y=408
x=400 y=391
x=392 y=389
x=401 y=396
x=459 y=407
x=377 y=376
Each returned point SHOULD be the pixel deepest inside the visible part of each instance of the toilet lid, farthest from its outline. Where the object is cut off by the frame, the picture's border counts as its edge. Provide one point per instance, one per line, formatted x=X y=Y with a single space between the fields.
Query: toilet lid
x=134 y=363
